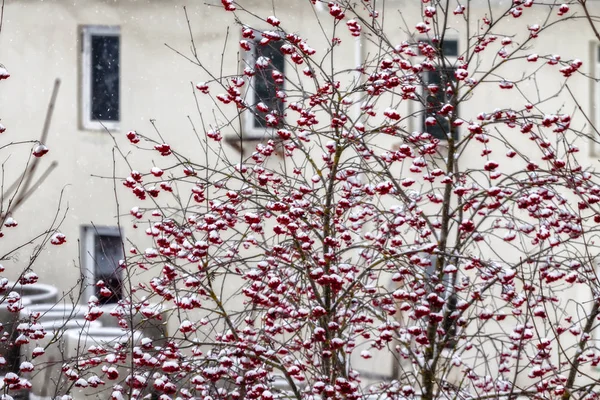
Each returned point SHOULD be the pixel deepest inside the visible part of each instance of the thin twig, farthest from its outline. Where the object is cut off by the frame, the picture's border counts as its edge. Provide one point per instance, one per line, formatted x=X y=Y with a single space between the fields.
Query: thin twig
x=1 y=15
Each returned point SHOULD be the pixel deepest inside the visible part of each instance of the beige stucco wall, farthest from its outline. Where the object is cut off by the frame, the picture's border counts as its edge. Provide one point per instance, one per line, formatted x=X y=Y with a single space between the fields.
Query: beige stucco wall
x=39 y=42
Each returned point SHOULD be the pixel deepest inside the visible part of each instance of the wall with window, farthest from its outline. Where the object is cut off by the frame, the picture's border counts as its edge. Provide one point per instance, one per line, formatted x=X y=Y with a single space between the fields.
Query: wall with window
x=117 y=75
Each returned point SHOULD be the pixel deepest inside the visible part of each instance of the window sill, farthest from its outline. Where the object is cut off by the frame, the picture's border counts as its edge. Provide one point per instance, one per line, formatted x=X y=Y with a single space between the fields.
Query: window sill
x=101 y=126
x=242 y=143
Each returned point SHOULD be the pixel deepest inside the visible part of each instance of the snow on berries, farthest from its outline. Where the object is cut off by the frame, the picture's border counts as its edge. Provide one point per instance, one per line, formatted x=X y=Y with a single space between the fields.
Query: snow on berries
x=3 y=73
x=58 y=238
x=40 y=150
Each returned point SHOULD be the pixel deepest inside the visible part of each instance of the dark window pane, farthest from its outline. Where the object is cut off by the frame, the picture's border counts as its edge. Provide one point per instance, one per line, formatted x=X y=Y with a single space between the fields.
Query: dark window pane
x=434 y=101
x=449 y=322
x=265 y=88
x=108 y=250
x=450 y=48
x=105 y=78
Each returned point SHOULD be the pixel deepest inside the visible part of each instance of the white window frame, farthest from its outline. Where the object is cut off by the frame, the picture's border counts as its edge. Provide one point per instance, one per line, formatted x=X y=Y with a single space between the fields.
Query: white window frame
x=452 y=60
x=87 y=32
x=596 y=95
x=249 y=60
x=88 y=255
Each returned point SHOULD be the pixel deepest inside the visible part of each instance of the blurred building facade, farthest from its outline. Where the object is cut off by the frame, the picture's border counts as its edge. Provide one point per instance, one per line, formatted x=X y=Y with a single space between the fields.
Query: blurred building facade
x=120 y=70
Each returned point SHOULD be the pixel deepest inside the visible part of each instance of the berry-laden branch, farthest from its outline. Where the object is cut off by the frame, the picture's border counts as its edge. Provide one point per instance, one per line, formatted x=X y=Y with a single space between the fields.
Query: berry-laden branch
x=409 y=201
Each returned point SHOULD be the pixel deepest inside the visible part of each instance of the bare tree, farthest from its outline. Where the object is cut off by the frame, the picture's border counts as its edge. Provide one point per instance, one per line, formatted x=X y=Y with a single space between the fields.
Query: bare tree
x=413 y=221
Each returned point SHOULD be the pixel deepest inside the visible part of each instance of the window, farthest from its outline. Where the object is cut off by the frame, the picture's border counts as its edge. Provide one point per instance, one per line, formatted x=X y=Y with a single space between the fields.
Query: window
x=100 y=77
x=265 y=106
x=595 y=108
x=102 y=249
x=434 y=100
x=449 y=294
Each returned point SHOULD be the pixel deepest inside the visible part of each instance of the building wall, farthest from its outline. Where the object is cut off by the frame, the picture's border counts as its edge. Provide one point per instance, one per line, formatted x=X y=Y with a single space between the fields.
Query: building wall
x=40 y=42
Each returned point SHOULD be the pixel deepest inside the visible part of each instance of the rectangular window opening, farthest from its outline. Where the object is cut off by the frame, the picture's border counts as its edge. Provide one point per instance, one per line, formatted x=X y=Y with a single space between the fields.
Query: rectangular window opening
x=449 y=295
x=434 y=94
x=100 y=77
x=435 y=100
x=102 y=251
x=266 y=108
